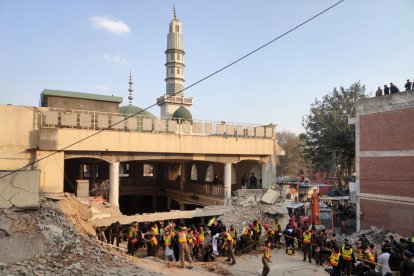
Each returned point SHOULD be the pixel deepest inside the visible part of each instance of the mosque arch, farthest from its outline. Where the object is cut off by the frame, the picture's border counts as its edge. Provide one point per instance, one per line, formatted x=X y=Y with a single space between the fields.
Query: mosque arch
x=257 y=172
x=194 y=176
x=210 y=173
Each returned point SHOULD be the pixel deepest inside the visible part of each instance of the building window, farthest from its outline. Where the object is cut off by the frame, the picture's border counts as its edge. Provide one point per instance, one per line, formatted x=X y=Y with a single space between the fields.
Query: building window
x=124 y=170
x=86 y=171
x=194 y=175
x=210 y=173
x=148 y=170
x=177 y=29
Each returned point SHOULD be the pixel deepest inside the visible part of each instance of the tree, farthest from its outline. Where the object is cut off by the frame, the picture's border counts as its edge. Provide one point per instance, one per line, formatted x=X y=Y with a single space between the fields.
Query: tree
x=292 y=163
x=329 y=141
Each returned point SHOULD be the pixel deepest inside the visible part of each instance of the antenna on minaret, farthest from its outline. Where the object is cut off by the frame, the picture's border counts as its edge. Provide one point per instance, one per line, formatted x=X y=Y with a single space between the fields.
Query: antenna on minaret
x=130 y=98
x=175 y=16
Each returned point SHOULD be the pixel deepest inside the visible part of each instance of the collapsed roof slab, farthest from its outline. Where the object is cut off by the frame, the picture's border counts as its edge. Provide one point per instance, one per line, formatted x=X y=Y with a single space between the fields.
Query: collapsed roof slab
x=209 y=211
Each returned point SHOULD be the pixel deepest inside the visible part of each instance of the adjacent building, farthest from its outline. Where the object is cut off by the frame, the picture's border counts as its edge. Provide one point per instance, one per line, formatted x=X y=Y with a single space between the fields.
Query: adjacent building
x=384 y=129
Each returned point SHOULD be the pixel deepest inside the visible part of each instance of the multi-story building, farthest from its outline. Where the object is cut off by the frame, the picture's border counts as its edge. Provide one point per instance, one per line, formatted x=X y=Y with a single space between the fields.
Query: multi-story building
x=384 y=129
x=81 y=141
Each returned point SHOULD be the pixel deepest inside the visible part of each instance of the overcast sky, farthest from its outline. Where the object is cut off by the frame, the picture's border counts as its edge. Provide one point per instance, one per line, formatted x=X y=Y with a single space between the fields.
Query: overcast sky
x=90 y=46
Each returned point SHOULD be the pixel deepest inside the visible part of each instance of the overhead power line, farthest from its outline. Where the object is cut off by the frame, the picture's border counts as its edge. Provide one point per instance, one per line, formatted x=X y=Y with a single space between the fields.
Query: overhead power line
x=188 y=87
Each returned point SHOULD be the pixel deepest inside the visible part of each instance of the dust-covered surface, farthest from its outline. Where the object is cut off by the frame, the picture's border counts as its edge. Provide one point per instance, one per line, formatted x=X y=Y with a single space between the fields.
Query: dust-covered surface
x=57 y=239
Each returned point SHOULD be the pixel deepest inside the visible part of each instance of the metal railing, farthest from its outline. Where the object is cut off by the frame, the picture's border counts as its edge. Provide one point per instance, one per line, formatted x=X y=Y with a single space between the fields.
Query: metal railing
x=94 y=120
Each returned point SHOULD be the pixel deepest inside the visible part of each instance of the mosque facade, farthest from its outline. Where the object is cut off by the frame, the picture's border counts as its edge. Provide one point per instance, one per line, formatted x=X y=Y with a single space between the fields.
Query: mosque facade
x=88 y=145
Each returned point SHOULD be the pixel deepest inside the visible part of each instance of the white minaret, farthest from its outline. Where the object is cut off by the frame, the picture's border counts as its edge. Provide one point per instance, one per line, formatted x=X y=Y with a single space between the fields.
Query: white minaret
x=174 y=80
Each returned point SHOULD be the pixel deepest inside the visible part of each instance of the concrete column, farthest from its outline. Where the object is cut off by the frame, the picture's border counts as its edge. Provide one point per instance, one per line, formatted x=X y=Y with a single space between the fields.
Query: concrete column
x=265 y=180
x=114 y=184
x=227 y=183
x=182 y=206
x=182 y=177
x=169 y=203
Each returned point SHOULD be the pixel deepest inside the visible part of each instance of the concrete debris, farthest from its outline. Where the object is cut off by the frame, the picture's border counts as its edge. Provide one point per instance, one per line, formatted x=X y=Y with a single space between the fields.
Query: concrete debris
x=248 y=207
x=270 y=196
x=375 y=235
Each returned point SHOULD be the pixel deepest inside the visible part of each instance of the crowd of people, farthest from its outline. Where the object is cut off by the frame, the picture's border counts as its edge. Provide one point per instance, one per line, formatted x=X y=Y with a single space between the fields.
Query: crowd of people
x=189 y=243
x=393 y=88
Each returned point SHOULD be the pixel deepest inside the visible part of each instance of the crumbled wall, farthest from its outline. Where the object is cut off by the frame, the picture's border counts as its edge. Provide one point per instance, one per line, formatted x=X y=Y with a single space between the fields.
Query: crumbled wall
x=20 y=189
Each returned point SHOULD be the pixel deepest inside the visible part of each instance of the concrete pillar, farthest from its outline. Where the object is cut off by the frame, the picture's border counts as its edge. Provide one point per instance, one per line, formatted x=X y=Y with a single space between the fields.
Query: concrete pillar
x=265 y=180
x=114 y=183
x=227 y=182
x=169 y=203
x=182 y=177
x=182 y=206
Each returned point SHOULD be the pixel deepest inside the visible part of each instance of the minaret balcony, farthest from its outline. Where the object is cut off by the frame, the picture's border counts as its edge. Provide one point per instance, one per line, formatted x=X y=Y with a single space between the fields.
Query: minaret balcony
x=175 y=99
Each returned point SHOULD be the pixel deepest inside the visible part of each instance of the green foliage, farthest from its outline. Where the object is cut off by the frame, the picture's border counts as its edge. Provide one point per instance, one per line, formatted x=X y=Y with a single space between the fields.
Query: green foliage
x=292 y=163
x=327 y=132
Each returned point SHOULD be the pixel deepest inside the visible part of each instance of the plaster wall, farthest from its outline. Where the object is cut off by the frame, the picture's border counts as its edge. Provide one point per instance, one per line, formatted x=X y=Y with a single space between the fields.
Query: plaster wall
x=51 y=171
x=20 y=189
x=82 y=104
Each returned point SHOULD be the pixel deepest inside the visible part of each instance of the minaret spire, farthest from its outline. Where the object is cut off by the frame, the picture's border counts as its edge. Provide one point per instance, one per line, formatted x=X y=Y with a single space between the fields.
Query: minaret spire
x=130 y=98
x=175 y=16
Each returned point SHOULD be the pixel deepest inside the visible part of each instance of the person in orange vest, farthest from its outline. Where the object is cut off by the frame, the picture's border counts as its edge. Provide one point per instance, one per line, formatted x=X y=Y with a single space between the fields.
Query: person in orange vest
x=348 y=257
x=371 y=256
x=307 y=240
x=266 y=258
x=183 y=246
x=228 y=247
x=336 y=262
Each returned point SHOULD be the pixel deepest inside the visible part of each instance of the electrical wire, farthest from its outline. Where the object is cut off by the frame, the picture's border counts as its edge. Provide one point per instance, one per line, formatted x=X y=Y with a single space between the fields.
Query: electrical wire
x=178 y=92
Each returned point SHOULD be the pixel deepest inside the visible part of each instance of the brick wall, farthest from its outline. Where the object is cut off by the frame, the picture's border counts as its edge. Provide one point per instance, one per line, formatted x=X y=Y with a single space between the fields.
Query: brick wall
x=387 y=175
x=393 y=130
x=391 y=216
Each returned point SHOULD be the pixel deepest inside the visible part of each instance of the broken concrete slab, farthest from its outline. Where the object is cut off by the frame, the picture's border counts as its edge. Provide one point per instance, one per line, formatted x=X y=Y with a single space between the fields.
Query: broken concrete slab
x=270 y=196
x=20 y=189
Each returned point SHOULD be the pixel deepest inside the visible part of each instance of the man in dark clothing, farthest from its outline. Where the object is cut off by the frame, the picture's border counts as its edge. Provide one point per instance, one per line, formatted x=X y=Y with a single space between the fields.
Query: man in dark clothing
x=386 y=90
x=408 y=85
x=364 y=242
x=393 y=88
x=115 y=233
x=407 y=265
x=244 y=181
x=253 y=182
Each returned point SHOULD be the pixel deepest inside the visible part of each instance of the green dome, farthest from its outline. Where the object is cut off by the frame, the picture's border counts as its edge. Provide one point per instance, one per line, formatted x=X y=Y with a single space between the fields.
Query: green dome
x=132 y=109
x=183 y=114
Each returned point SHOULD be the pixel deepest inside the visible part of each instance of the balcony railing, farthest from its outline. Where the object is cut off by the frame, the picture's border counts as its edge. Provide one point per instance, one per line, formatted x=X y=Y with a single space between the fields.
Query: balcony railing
x=204 y=188
x=81 y=119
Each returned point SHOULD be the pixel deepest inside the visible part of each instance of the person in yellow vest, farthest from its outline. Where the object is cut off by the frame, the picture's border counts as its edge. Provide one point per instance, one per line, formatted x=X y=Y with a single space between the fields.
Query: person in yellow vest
x=266 y=257
x=167 y=242
x=132 y=239
x=183 y=247
x=277 y=233
x=228 y=246
x=190 y=242
x=233 y=232
x=307 y=240
x=336 y=262
x=257 y=231
x=347 y=257
x=200 y=242
x=152 y=244
x=371 y=256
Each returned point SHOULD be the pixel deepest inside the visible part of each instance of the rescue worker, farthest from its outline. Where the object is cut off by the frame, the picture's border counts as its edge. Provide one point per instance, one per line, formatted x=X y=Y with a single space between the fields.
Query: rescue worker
x=167 y=242
x=266 y=258
x=361 y=268
x=190 y=242
x=183 y=246
x=233 y=232
x=115 y=233
x=228 y=247
x=371 y=256
x=289 y=235
x=269 y=234
x=200 y=243
x=257 y=231
x=307 y=240
x=245 y=241
x=348 y=257
x=336 y=262
x=132 y=239
x=277 y=233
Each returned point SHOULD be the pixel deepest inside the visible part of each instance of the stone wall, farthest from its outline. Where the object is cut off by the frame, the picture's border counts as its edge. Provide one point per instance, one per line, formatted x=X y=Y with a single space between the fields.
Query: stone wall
x=20 y=189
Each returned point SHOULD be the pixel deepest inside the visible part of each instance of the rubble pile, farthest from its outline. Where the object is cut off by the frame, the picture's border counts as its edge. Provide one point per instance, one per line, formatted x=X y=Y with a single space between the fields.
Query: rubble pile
x=57 y=239
x=375 y=235
x=248 y=206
